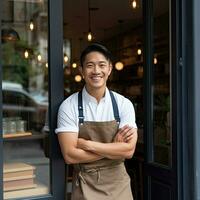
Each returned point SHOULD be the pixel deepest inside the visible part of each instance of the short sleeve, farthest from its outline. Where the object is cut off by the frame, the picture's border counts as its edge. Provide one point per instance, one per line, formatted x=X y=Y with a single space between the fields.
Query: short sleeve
x=127 y=114
x=66 y=120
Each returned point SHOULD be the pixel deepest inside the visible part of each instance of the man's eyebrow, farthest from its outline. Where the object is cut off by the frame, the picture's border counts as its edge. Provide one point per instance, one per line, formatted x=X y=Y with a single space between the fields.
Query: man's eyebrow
x=91 y=62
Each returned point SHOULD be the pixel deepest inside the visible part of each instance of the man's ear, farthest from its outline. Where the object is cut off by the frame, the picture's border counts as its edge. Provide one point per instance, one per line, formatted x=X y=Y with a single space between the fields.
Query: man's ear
x=111 y=67
x=81 y=71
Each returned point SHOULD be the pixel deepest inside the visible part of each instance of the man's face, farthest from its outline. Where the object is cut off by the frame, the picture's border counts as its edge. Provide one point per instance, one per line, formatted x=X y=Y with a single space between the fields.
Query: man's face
x=96 y=70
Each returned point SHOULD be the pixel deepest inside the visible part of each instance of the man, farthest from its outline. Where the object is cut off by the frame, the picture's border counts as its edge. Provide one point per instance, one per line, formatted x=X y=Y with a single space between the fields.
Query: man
x=97 y=131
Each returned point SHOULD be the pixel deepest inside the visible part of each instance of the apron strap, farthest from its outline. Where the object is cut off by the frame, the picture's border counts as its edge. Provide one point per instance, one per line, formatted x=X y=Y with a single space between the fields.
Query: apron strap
x=115 y=107
x=80 y=107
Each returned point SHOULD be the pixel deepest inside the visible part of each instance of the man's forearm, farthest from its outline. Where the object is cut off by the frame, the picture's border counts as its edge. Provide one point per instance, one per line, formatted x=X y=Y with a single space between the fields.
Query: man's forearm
x=118 y=149
x=81 y=156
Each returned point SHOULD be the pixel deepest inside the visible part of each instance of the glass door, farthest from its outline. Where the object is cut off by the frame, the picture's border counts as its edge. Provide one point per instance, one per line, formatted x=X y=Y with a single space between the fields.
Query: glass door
x=25 y=98
x=28 y=164
x=160 y=128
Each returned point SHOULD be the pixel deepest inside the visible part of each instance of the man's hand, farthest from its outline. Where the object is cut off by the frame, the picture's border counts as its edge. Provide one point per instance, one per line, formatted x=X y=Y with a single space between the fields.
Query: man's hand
x=82 y=144
x=125 y=134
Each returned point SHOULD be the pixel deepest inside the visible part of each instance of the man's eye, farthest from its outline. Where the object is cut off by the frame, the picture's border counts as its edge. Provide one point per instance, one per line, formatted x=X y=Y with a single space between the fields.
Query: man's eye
x=89 y=66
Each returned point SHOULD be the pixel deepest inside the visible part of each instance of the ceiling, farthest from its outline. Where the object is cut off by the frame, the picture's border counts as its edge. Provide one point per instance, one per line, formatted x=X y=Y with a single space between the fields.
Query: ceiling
x=108 y=17
x=105 y=17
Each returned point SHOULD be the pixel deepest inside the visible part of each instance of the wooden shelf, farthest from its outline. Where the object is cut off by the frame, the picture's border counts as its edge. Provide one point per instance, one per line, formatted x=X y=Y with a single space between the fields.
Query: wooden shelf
x=38 y=190
x=14 y=135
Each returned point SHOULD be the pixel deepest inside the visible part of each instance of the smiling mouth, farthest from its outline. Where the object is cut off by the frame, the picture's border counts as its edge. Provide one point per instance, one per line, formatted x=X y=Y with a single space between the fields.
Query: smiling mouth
x=96 y=78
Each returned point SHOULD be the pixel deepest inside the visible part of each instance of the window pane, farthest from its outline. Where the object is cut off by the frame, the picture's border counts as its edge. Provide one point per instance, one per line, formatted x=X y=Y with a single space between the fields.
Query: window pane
x=161 y=84
x=25 y=98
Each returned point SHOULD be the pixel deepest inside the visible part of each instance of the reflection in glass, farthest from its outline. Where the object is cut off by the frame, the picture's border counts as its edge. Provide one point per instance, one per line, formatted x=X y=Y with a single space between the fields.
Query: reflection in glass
x=25 y=98
x=161 y=85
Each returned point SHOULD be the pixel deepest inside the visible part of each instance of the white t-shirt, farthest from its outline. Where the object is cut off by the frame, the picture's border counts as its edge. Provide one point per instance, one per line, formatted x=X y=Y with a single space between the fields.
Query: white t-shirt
x=93 y=111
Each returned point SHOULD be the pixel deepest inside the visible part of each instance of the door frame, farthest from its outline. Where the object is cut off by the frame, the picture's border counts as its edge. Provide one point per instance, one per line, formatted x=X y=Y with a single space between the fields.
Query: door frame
x=186 y=97
x=190 y=150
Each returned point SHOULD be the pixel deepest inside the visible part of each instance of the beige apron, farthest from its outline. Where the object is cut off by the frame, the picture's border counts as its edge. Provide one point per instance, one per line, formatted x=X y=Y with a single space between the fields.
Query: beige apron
x=105 y=179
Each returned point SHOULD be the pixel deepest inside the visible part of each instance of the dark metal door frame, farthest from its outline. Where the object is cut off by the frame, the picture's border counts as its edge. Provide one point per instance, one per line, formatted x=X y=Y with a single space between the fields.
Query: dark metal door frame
x=190 y=99
x=184 y=174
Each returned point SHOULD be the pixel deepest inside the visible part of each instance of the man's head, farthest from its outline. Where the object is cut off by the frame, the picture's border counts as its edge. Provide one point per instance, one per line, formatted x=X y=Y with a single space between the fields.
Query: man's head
x=96 y=66
x=95 y=47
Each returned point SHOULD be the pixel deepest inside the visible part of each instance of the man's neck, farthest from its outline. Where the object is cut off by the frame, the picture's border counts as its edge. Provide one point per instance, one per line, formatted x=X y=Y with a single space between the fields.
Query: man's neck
x=98 y=94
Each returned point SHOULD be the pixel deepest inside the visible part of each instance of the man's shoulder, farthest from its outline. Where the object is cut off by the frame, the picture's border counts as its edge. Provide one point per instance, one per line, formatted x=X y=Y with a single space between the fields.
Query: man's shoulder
x=70 y=100
x=120 y=99
x=118 y=96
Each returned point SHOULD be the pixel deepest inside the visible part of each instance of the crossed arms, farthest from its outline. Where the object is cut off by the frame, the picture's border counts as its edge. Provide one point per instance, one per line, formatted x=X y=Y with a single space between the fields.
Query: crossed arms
x=78 y=150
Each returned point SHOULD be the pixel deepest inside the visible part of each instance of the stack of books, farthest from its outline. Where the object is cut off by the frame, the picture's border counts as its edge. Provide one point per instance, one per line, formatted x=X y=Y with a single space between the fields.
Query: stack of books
x=18 y=176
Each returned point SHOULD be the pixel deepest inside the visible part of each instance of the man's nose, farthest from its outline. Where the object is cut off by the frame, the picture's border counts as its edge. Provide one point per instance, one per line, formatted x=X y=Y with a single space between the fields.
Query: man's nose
x=96 y=69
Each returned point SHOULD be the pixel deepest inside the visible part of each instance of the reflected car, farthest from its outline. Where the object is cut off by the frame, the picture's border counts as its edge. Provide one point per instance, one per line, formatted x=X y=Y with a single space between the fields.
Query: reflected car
x=19 y=103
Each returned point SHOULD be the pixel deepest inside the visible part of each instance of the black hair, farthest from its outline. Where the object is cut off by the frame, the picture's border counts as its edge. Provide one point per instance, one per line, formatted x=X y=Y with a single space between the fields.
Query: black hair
x=98 y=48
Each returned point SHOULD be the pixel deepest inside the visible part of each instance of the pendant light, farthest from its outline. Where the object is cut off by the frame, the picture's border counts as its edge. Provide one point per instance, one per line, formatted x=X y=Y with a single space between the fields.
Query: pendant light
x=26 y=54
x=119 y=65
x=31 y=25
x=89 y=36
x=134 y=4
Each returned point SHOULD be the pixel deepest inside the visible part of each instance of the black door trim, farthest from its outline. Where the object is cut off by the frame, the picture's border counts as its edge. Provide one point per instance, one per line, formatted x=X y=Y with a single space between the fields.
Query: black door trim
x=56 y=94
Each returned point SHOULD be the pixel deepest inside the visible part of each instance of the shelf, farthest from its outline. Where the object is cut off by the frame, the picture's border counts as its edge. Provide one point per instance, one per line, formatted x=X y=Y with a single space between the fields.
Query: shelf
x=14 y=135
x=38 y=190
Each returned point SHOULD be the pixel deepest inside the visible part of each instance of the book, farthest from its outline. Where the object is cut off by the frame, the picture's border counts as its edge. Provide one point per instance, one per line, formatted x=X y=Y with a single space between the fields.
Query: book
x=19 y=184
x=13 y=168
x=18 y=176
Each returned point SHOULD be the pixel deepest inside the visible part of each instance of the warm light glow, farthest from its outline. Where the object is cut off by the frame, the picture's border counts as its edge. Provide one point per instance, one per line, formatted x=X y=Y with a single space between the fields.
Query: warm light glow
x=119 y=65
x=26 y=54
x=140 y=71
x=89 y=36
x=134 y=4
x=31 y=26
x=66 y=58
x=46 y=65
x=155 y=61
x=74 y=65
x=39 y=57
x=77 y=78
x=139 y=51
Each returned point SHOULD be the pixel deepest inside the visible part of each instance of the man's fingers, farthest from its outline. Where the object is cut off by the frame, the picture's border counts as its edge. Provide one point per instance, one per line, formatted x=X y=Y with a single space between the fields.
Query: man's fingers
x=126 y=131
x=121 y=130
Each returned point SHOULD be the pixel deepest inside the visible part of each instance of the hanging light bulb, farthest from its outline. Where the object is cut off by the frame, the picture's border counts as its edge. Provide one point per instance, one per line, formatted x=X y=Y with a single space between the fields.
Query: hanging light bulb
x=119 y=65
x=39 y=57
x=46 y=65
x=77 y=78
x=74 y=65
x=26 y=54
x=31 y=25
x=66 y=58
x=89 y=36
x=155 y=60
x=139 y=51
x=134 y=4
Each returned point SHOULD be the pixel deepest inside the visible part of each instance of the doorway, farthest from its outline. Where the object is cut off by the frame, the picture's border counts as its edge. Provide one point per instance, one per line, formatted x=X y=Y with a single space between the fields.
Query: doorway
x=139 y=35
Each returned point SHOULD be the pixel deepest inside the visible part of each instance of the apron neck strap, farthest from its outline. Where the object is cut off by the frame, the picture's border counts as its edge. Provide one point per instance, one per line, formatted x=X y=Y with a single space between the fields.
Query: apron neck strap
x=115 y=107
x=80 y=107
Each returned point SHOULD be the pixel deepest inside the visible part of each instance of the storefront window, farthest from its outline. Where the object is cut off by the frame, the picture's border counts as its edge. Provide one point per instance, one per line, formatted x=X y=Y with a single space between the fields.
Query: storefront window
x=25 y=98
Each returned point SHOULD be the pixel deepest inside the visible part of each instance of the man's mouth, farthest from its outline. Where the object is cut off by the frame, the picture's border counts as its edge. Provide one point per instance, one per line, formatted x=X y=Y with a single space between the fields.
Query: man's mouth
x=95 y=78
